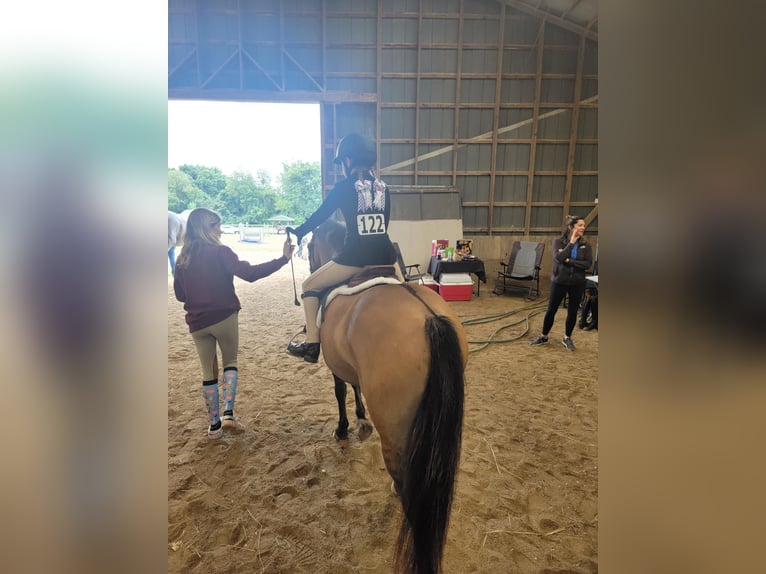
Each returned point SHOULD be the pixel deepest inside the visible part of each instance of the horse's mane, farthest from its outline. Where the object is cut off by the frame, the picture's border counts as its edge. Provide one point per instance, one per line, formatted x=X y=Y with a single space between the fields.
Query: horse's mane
x=331 y=234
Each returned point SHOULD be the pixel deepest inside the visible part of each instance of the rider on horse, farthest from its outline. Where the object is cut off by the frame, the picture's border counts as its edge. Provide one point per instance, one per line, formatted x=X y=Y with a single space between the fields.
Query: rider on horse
x=365 y=203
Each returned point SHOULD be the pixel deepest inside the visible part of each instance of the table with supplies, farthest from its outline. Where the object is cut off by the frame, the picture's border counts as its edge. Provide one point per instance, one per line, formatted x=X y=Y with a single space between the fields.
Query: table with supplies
x=476 y=266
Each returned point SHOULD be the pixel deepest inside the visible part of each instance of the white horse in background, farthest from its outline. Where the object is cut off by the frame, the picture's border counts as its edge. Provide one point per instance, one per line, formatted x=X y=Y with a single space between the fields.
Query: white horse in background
x=176 y=233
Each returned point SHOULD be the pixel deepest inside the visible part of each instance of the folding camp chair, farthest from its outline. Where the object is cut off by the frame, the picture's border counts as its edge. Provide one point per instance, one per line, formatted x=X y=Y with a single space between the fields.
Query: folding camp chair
x=523 y=265
x=407 y=269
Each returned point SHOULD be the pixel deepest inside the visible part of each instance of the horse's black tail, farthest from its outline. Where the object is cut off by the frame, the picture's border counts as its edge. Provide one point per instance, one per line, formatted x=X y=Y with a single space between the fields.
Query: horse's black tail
x=431 y=459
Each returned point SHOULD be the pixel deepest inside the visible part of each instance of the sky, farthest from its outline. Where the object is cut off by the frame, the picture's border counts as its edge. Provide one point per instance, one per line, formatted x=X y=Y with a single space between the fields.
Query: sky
x=242 y=136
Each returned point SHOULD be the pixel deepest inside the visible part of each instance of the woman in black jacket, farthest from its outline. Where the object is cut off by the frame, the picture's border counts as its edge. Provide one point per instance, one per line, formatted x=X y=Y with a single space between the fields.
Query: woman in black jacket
x=572 y=258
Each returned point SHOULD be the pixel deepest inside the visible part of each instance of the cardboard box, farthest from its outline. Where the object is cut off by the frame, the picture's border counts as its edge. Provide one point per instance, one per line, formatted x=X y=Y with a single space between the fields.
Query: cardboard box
x=456 y=287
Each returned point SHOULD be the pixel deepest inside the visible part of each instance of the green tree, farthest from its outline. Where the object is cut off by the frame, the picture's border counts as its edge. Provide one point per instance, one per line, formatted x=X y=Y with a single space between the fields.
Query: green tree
x=247 y=198
x=183 y=194
x=210 y=180
x=300 y=192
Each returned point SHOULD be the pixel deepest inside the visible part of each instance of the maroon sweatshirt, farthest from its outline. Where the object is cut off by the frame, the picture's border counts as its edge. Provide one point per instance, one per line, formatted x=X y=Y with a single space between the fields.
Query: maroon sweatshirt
x=206 y=286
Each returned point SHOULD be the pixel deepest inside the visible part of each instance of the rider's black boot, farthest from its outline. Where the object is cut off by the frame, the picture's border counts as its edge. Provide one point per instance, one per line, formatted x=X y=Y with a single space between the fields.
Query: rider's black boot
x=309 y=351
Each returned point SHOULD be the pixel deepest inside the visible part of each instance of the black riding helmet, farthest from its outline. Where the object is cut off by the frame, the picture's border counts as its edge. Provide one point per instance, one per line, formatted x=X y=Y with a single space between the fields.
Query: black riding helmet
x=359 y=149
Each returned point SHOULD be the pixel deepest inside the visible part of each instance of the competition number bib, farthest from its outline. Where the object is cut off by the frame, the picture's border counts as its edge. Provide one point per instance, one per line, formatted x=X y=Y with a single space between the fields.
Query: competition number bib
x=370 y=224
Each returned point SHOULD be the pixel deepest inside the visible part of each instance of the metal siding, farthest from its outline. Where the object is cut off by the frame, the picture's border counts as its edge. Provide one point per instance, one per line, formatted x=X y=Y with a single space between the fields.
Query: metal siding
x=391 y=154
x=182 y=28
x=474 y=187
x=520 y=29
x=556 y=35
x=397 y=123
x=556 y=127
x=438 y=31
x=475 y=216
x=444 y=180
x=442 y=162
x=302 y=6
x=587 y=124
x=519 y=61
x=400 y=30
x=511 y=188
x=549 y=188
x=452 y=6
x=477 y=91
x=353 y=85
x=510 y=117
x=398 y=90
x=401 y=6
x=481 y=31
x=474 y=122
x=586 y=157
x=218 y=5
x=303 y=29
x=399 y=179
x=557 y=90
x=474 y=157
x=260 y=27
x=351 y=59
x=512 y=157
x=180 y=5
x=551 y=157
x=350 y=5
x=559 y=62
x=266 y=5
x=506 y=216
x=584 y=188
x=590 y=63
x=521 y=91
x=405 y=207
x=441 y=205
x=589 y=88
x=399 y=60
x=482 y=7
x=547 y=217
x=480 y=61
x=437 y=90
x=437 y=124
x=438 y=60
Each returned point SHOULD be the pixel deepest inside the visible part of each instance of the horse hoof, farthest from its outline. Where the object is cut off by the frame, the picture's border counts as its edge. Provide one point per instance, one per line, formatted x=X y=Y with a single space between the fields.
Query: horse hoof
x=364 y=428
x=339 y=436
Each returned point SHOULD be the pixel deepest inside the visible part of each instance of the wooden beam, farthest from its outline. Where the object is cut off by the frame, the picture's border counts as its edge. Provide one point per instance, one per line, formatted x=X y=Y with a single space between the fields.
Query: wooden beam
x=592 y=215
x=496 y=119
x=535 y=126
x=573 y=127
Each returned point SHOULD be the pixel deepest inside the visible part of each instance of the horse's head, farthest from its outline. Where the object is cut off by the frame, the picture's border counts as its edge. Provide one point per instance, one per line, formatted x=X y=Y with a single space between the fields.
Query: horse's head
x=326 y=241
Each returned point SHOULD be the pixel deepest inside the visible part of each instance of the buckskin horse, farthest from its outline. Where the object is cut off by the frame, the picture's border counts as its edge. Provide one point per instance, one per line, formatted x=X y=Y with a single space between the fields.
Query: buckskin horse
x=403 y=348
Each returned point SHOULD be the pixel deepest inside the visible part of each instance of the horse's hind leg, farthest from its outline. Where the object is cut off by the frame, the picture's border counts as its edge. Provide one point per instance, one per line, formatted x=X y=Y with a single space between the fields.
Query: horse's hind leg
x=340 y=394
x=363 y=425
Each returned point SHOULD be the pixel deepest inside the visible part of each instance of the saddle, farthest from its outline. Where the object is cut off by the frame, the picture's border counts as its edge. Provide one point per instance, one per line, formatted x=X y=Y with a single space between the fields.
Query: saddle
x=367 y=277
x=371 y=272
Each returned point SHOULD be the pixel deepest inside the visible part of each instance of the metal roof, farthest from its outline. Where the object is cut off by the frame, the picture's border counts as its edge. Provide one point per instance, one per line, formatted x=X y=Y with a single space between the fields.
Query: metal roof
x=580 y=16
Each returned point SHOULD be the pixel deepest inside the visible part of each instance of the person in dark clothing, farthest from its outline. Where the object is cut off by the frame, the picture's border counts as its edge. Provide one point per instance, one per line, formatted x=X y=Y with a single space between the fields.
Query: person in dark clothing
x=364 y=201
x=590 y=306
x=204 y=283
x=572 y=258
